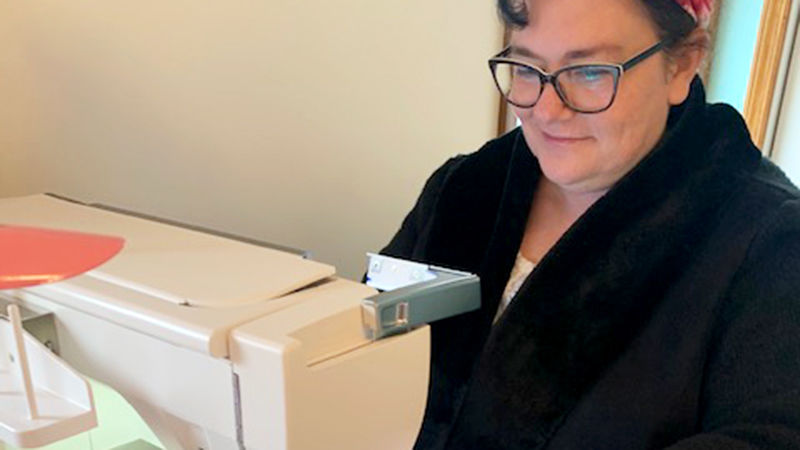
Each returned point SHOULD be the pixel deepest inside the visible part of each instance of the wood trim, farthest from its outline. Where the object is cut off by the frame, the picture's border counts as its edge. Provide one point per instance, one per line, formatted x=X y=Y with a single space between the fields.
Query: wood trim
x=765 y=67
x=503 y=111
x=502 y=117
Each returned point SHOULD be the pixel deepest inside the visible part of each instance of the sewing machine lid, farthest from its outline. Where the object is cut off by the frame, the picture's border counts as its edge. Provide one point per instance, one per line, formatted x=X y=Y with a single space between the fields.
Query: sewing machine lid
x=174 y=264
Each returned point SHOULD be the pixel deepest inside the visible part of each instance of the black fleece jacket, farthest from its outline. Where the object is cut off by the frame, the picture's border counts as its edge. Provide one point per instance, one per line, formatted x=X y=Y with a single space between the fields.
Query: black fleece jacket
x=668 y=315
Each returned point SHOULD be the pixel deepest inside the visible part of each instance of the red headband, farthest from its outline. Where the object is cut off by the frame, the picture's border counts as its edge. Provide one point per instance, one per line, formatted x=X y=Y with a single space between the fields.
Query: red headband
x=700 y=10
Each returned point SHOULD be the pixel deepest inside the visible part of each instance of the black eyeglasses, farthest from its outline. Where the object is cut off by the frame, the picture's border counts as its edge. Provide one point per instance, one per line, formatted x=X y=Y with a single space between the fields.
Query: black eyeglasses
x=584 y=88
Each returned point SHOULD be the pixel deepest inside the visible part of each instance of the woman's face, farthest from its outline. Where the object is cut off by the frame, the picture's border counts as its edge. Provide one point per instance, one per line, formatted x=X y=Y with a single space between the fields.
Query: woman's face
x=585 y=153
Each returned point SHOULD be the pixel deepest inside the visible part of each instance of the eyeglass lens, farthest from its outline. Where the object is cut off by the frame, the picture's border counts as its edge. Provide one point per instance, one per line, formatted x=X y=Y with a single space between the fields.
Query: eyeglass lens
x=583 y=88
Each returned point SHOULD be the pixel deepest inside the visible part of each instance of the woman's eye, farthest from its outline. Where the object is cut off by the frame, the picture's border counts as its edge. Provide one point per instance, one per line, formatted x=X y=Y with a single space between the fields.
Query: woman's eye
x=589 y=75
x=526 y=72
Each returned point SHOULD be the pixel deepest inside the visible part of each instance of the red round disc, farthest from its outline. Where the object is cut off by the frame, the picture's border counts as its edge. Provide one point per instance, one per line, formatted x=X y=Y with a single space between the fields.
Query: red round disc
x=31 y=256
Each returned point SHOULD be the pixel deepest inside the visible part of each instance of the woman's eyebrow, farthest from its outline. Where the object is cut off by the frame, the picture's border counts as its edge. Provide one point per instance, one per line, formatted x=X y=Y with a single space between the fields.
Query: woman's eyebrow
x=572 y=54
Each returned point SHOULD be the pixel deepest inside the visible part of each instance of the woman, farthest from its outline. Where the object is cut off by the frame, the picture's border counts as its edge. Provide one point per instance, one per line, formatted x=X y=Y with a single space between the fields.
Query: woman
x=639 y=259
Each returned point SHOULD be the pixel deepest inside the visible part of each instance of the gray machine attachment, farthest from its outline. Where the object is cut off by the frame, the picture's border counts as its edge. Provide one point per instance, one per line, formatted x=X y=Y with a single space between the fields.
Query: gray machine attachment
x=414 y=294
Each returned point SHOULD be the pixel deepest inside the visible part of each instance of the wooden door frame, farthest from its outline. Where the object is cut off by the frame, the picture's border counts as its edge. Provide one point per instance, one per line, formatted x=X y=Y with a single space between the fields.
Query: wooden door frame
x=761 y=87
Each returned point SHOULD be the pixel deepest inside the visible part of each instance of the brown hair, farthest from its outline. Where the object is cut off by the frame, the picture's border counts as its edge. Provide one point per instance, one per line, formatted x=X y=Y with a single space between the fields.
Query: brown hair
x=672 y=22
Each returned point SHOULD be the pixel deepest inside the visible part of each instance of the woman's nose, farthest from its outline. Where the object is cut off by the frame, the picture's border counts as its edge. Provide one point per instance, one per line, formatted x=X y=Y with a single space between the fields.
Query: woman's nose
x=550 y=107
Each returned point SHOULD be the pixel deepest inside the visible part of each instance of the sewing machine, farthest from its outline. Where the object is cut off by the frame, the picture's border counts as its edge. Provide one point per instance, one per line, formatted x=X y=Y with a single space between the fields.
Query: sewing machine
x=223 y=343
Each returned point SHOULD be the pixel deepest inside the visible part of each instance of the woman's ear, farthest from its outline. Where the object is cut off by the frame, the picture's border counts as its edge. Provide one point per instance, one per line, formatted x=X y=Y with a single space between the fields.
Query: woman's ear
x=684 y=64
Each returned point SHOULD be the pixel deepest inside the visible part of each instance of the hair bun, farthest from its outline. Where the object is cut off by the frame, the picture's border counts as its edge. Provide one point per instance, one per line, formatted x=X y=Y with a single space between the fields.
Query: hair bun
x=700 y=10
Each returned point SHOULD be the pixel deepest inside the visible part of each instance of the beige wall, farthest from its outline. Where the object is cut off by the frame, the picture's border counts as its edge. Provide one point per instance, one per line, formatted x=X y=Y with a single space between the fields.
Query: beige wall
x=307 y=123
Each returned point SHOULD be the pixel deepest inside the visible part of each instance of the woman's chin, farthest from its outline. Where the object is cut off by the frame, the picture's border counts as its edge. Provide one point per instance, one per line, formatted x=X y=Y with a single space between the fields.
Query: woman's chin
x=573 y=180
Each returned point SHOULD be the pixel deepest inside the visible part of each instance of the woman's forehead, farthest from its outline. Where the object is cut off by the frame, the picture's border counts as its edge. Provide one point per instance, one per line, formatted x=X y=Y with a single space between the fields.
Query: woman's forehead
x=575 y=29
x=606 y=19
x=608 y=51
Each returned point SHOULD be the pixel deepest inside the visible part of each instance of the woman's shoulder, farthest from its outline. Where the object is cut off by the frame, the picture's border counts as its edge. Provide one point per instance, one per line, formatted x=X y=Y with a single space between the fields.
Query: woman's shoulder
x=772 y=179
x=770 y=203
x=460 y=190
x=486 y=165
x=768 y=192
x=762 y=189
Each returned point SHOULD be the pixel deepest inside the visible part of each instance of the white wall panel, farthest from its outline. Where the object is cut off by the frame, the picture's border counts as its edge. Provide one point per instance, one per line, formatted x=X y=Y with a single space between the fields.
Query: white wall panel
x=307 y=123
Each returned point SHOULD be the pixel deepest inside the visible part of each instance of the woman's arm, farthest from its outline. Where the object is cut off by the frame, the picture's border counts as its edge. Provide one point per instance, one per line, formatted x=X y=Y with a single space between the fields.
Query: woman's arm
x=751 y=393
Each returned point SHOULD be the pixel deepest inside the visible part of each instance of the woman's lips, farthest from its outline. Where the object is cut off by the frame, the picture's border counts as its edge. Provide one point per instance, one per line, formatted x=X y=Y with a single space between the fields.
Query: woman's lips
x=561 y=139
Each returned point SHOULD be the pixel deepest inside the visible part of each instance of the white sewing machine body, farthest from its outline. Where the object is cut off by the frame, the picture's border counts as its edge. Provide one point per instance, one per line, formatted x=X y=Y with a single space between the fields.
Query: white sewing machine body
x=222 y=344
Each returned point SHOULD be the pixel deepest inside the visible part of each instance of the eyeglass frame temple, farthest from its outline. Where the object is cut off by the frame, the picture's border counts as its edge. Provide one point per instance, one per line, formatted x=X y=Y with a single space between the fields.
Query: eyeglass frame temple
x=657 y=47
